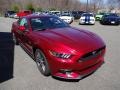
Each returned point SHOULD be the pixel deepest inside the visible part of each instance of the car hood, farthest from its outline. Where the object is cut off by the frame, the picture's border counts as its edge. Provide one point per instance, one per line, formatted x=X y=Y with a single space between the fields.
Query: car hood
x=99 y=15
x=112 y=17
x=89 y=17
x=71 y=39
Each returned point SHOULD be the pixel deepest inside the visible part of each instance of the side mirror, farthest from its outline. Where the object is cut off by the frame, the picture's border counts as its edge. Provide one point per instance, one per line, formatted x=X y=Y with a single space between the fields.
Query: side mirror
x=22 y=28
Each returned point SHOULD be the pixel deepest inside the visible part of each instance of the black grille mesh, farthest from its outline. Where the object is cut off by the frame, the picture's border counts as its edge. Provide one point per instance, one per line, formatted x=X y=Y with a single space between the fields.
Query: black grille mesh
x=92 y=54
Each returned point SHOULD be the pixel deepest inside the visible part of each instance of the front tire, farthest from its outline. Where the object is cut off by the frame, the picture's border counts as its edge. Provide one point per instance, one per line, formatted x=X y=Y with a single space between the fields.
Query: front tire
x=42 y=63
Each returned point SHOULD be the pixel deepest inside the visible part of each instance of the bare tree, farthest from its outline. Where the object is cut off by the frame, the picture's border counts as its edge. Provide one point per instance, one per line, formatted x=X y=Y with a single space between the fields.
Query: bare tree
x=96 y=5
x=45 y=4
x=118 y=3
x=111 y=4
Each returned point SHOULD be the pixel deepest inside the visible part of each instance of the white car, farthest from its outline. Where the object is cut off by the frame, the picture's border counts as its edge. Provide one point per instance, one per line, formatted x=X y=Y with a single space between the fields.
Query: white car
x=36 y=13
x=54 y=12
x=87 y=18
x=14 y=16
x=67 y=18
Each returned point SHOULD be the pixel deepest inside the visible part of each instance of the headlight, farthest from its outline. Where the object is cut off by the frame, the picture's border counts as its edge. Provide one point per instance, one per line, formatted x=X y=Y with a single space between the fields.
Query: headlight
x=60 y=55
x=92 y=20
x=82 y=19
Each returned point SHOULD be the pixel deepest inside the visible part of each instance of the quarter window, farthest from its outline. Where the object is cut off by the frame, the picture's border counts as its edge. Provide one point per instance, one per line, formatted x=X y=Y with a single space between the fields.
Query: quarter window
x=23 y=22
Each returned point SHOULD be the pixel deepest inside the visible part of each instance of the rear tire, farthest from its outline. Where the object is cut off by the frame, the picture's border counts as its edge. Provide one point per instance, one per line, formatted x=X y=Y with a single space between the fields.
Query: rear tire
x=41 y=62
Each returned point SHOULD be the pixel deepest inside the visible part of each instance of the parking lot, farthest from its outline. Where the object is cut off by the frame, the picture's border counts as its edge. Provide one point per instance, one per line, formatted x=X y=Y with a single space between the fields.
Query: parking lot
x=24 y=75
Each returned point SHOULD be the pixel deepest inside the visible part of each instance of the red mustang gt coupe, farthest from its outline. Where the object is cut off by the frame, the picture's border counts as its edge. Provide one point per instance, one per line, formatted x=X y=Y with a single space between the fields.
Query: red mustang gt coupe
x=59 y=49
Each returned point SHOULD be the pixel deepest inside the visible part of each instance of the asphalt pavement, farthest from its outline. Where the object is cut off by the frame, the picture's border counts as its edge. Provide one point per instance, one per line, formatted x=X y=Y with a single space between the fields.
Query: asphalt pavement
x=19 y=72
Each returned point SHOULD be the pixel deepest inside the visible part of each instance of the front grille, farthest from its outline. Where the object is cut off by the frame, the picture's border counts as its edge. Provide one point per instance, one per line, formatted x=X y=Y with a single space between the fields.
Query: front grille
x=92 y=54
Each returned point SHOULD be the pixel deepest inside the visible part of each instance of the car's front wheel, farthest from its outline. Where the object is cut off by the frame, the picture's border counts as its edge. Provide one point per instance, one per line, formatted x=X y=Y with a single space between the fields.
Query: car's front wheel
x=42 y=63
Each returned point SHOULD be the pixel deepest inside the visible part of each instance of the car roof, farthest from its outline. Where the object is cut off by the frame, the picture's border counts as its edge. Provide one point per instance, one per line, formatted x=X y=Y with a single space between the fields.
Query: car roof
x=111 y=14
x=87 y=14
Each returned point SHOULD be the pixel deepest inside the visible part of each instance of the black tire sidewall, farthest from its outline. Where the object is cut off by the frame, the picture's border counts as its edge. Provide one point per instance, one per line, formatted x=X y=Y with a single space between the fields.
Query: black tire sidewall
x=47 y=70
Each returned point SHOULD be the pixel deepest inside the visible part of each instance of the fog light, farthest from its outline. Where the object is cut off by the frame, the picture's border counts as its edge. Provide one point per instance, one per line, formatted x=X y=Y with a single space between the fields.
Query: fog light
x=69 y=74
x=65 y=71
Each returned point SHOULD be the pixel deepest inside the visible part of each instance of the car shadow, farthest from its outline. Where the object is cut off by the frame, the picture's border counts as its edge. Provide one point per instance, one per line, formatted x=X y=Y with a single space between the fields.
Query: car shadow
x=6 y=56
x=109 y=24
x=87 y=24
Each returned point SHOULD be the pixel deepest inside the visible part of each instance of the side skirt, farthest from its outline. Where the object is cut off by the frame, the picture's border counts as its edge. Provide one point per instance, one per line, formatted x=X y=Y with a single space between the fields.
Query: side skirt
x=27 y=51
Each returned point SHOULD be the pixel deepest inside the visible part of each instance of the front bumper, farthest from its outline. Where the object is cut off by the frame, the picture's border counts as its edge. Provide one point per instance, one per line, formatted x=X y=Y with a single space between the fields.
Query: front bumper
x=75 y=68
x=88 y=22
x=111 y=22
x=68 y=20
x=79 y=74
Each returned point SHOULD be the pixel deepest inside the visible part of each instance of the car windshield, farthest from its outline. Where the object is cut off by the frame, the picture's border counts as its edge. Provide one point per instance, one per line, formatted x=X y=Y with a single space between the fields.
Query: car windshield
x=26 y=11
x=55 y=12
x=41 y=23
x=80 y=12
x=109 y=15
x=101 y=13
x=65 y=14
x=74 y=12
x=11 y=12
x=87 y=14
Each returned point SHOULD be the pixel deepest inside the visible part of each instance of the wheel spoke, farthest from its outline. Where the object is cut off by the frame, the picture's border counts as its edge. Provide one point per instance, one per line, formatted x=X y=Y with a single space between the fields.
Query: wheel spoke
x=40 y=61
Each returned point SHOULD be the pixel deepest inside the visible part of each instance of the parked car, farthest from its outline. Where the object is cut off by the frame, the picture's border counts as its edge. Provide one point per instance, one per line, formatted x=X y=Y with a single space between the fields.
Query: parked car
x=87 y=18
x=14 y=16
x=57 y=48
x=37 y=13
x=98 y=16
x=77 y=14
x=56 y=13
x=67 y=17
x=24 y=13
x=111 y=19
x=9 y=13
x=80 y=13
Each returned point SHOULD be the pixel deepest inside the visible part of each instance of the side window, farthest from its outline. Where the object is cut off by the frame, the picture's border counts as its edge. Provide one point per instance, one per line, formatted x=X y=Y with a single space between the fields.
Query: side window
x=37 y=23
x=55 y=21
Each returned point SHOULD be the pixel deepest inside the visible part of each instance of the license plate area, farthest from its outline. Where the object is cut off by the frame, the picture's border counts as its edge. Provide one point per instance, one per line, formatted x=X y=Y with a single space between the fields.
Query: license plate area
x=112 y=22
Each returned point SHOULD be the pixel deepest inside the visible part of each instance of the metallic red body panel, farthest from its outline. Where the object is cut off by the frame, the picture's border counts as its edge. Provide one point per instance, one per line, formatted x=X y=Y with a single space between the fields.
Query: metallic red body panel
x=69 y=40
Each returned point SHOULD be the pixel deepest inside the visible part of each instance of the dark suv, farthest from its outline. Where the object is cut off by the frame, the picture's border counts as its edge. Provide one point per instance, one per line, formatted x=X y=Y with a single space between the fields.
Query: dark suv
x=77 y=14
x=9 y=13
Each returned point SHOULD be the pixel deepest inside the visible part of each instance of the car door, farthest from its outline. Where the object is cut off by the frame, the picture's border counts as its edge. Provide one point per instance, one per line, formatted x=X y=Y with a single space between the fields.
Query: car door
x=20 y=32
x=25 y=35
